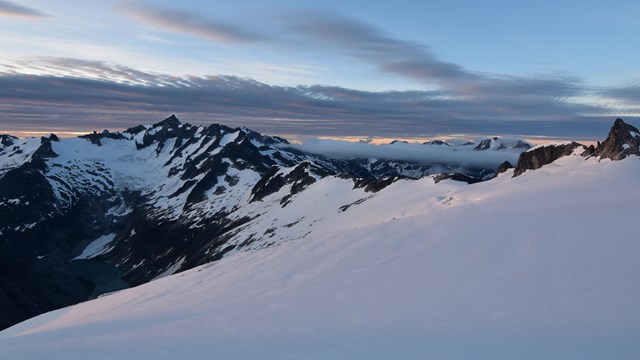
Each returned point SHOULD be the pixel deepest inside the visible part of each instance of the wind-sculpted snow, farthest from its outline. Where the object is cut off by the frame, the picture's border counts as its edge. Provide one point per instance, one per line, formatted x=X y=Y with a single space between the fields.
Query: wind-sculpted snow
x=541 y=266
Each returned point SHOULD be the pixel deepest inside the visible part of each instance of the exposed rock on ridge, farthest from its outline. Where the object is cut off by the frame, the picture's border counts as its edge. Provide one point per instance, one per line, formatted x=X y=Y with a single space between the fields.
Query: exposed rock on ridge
x=538 y=157
x=623 y=140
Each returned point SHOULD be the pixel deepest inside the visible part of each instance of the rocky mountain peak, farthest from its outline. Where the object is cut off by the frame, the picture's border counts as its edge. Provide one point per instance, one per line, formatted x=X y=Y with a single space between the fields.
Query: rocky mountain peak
x=264 y=139
x=52 y=137
x=170 y=122
x=45 y=150
x=497 y=143
x=485 y=144
x=436 y=142
x=623 y=140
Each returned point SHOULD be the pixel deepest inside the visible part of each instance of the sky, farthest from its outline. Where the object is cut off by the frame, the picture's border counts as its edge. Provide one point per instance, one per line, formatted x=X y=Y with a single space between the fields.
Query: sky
x=370 y=69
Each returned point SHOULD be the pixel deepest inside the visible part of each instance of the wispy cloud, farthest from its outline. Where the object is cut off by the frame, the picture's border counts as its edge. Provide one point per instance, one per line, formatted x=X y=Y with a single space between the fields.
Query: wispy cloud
x=629 y=93
x=8 y=8
x=417 y=62
x=517 y=97
x=97 y=97
x=188 y=23
x=373 y=45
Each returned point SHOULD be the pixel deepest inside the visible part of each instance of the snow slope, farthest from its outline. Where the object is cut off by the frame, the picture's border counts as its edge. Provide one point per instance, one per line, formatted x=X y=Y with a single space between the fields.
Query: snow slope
x=542 y=266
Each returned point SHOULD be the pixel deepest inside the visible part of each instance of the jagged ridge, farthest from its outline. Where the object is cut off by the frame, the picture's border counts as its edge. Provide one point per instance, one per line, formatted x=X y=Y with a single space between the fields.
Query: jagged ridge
x=623 y=140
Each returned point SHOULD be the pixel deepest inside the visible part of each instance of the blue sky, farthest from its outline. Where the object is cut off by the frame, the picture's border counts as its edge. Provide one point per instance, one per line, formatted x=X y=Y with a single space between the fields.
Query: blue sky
x=341 y=68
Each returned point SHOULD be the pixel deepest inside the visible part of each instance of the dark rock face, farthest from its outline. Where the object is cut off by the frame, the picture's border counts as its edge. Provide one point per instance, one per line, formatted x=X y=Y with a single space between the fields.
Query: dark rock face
x=44 y=151
x=299 y=178
x=457 y=177
x=95 y=137
x=269 y=184
x=537 y=158
x=590 y=150
x=36 y=240
x=7 y=140
x=504 y=167
x=623 y=140
x=374 y=185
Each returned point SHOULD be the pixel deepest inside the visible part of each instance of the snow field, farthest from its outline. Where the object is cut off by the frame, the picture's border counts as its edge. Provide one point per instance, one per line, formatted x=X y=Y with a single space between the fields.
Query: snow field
x=544 y=265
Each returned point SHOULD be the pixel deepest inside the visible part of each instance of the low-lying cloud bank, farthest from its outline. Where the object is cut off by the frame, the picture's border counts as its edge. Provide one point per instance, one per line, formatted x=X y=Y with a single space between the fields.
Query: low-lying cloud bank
x=454 y=157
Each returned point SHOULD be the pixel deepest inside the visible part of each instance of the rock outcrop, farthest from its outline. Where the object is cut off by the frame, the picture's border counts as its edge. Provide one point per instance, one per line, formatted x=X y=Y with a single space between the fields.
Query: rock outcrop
x=540 y=156
x=623 y=140
x=7 y=140
x=457 y=177
x=504 y=167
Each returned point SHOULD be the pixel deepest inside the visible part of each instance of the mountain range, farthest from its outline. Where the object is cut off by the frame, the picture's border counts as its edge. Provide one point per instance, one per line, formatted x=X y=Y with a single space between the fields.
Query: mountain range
x=82 y=217
x=281 y=253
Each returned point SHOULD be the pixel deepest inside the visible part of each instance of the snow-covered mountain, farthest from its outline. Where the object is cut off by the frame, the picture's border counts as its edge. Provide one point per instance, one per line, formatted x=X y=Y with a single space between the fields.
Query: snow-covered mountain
x=83 y=216
x=543 y=265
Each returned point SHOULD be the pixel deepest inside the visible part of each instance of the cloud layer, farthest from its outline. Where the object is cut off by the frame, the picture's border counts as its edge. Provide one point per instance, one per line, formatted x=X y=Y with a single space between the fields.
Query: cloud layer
x=118 y=97
x=75 y=94
x=8 y=8
x=187 y=23
x=462 y=157
x=370 y=44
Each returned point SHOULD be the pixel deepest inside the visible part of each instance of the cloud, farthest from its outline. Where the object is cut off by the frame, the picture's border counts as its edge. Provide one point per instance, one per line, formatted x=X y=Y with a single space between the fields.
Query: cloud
x=8 y=8
x=188 y=23
x=371 y=44
x=417 y=62
x=491 y=97
x=629 y=94
x=462 y=157
x=89 y=95
x=325 y=32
